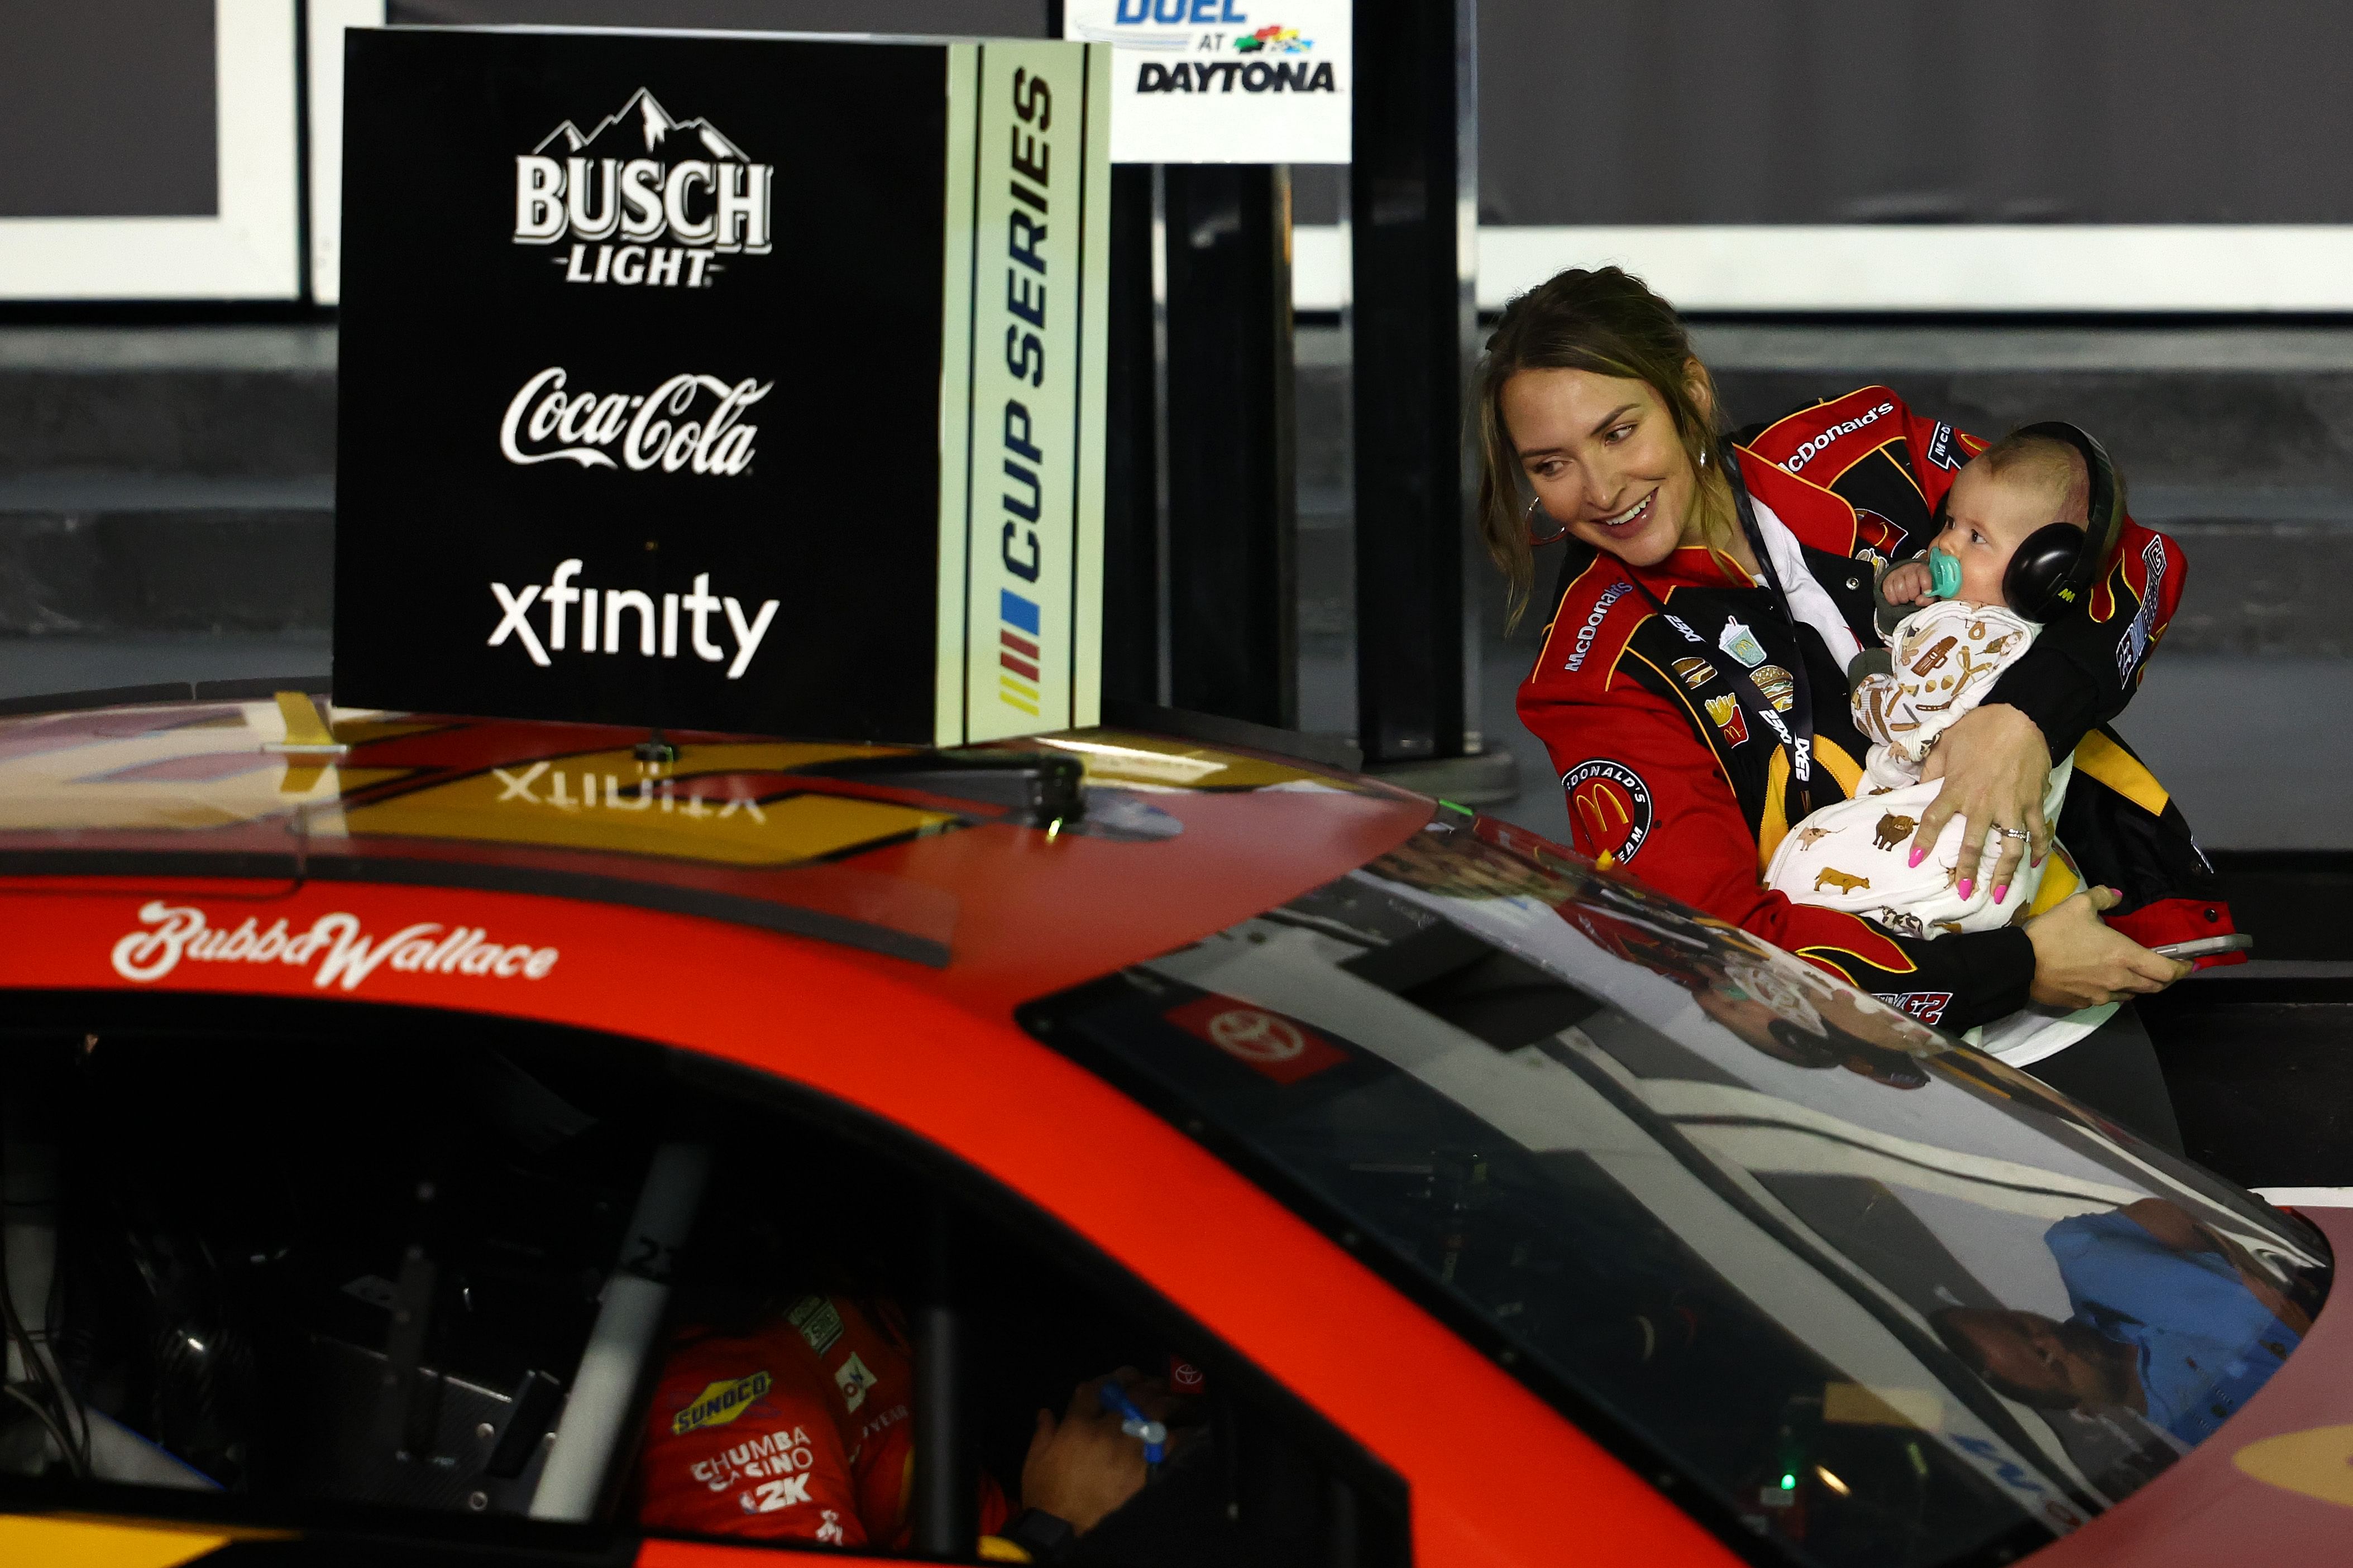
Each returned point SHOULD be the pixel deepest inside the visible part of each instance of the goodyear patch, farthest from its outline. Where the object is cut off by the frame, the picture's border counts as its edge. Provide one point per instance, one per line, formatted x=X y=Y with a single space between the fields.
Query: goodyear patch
x=720 y=1403
x=817 y=1321
x=853 y=1379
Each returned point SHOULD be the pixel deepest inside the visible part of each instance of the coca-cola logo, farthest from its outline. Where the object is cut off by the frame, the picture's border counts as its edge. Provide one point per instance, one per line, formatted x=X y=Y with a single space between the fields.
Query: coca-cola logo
x=342 y=954
x=547 y=423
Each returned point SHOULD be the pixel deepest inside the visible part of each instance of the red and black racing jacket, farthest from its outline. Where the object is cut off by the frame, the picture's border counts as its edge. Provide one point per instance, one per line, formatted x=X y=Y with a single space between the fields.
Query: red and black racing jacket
x=1672 y=771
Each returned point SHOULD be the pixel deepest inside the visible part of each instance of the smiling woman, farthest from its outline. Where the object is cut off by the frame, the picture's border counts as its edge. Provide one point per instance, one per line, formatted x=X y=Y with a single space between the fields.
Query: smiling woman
x=1643 y=406
x=1715 y=594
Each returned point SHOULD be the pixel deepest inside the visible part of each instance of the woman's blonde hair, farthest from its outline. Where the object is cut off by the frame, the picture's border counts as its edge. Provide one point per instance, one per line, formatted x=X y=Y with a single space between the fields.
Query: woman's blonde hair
x=1608 y=322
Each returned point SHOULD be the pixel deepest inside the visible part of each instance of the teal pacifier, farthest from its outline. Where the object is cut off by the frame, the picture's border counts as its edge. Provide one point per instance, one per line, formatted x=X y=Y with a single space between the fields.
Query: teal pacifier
x=1944 y=575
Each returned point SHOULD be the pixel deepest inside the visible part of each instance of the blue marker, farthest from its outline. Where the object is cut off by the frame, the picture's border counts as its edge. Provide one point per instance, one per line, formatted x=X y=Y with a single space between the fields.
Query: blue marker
x=1135 y=1422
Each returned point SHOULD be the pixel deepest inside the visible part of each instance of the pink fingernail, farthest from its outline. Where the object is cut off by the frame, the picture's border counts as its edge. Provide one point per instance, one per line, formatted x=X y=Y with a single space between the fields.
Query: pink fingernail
x=1967 y=883
x=1918 y=855
x=2001 y=891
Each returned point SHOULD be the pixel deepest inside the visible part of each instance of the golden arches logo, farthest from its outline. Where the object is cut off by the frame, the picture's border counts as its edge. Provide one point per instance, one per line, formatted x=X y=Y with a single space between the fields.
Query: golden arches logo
x=1595 y=804
x=1611 y=806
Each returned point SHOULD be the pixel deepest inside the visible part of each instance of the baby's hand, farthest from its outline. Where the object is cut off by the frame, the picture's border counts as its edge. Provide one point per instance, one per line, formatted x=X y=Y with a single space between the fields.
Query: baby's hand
x=1910 y=584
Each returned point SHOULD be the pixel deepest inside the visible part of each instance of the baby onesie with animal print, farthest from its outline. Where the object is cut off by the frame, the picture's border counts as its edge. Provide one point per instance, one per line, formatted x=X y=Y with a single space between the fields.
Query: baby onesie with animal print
x=1854 y=855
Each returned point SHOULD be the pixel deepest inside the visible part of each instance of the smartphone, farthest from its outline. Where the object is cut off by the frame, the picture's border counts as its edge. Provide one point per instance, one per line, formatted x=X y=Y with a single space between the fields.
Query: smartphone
x=2206 y=946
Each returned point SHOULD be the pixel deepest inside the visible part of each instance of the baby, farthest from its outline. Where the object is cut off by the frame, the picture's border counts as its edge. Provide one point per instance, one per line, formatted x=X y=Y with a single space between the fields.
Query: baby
x=1942 y=658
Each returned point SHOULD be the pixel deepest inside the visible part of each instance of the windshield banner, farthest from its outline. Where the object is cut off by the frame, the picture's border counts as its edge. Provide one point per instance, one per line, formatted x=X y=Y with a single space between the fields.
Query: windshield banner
x=733 y=383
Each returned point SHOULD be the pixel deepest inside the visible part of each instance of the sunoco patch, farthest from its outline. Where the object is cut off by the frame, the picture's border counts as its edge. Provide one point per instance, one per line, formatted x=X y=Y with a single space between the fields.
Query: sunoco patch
x=720 y=1403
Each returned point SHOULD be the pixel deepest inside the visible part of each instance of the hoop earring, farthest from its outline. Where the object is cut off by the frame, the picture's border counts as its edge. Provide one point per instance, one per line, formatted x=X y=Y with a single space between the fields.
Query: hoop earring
x=1703 y=456
x=1559 y=532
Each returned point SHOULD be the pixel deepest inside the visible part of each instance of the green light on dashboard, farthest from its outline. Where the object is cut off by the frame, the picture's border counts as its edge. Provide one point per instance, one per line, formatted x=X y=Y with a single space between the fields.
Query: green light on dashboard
x=1788 y=1482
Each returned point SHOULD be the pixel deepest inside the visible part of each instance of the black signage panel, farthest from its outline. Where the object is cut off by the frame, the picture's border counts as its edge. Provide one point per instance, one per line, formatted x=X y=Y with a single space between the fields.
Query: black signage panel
x=659 y=390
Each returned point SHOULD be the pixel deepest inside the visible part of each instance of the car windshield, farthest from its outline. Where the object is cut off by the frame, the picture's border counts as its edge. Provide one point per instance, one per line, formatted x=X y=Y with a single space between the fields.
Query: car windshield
x=1861 y=1290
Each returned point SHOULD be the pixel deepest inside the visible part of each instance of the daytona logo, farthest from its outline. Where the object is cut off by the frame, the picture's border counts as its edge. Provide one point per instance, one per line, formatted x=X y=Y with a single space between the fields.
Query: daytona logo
x=650 y=429
x=1807 y=451
x=1222 y=76
x=343 y=954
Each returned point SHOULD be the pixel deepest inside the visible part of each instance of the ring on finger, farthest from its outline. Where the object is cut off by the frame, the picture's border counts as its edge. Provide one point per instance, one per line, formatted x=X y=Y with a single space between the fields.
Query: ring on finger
x=2012 y=832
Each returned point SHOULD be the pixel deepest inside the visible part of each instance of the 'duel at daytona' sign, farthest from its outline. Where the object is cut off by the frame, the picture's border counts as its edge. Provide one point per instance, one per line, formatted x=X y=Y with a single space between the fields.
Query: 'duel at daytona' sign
x=1224 y=81
x=731 y=384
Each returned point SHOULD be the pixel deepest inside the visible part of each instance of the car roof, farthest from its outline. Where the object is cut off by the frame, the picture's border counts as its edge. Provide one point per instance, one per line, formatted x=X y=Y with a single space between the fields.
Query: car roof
x=922 y=860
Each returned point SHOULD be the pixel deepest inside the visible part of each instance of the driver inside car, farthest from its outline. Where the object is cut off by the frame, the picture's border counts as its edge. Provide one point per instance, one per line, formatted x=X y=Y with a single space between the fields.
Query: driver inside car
x=796 y=1428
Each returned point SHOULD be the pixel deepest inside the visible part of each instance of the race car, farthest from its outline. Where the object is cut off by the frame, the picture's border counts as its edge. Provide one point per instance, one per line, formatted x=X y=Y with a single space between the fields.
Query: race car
x=389 y=1097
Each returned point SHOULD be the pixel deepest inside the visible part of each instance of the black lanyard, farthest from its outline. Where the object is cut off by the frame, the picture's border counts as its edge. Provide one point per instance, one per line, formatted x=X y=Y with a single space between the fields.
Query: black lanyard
x=1797 y=737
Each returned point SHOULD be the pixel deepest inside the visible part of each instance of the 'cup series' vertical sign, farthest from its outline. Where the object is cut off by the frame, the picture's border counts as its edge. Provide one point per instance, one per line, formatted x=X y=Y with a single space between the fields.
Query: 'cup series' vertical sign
x=1021 y=500
x=723 y=382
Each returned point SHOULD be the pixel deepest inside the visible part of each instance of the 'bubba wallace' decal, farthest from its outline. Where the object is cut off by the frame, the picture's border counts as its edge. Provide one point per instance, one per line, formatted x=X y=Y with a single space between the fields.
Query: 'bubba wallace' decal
x=1610 y=806
x=343 y=952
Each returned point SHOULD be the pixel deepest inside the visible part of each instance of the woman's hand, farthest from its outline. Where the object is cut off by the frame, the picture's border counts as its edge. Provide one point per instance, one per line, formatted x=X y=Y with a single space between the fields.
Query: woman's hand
x=1995 y=766
x=2080 y=962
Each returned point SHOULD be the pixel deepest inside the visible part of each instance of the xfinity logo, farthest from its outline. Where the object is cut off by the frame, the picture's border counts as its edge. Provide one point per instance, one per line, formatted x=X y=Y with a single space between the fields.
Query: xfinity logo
x=614 y=619
x=545 y=423
x=641 y=177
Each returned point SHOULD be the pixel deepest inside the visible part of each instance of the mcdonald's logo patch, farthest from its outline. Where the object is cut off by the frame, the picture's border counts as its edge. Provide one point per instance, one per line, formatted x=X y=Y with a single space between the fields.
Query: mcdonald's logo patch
x=1610 y=807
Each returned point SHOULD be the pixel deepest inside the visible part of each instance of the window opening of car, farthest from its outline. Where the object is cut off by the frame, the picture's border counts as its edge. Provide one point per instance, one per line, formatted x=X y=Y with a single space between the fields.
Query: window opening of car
x=369 y=1269
x=1879 y=1298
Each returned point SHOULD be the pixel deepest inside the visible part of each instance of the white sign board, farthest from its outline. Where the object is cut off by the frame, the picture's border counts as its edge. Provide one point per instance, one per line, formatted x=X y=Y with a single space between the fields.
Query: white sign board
x=1224 y=81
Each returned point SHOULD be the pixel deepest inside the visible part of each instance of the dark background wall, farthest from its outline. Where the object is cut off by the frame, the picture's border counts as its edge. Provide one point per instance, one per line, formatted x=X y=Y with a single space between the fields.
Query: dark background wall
x=106 y=108
x=1852 y=111
x=1728 y=112
x=1591 y=111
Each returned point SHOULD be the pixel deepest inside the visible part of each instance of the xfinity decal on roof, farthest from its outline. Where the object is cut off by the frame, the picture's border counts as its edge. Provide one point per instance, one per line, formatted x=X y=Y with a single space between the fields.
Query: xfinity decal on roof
x=343 y=953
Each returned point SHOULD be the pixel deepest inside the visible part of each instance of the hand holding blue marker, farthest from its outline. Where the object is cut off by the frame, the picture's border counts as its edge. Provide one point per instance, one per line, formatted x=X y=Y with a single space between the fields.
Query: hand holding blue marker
x=1134 y=1422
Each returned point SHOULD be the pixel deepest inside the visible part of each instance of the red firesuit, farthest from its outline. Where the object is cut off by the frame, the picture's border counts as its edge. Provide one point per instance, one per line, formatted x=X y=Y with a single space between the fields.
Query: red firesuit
x=795 y=1431
x=1674 y=771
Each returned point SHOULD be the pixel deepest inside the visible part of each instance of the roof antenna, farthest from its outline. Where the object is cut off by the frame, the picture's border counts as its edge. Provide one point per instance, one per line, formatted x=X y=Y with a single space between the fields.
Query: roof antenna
x=655 y=750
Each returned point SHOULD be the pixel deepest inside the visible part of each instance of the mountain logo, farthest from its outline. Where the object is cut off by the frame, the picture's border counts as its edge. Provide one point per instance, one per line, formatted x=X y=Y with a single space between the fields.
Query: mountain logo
x=642 y=176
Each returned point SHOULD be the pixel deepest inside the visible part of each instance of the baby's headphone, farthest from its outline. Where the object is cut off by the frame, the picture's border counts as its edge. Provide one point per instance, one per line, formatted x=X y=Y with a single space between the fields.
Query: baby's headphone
x=2052 y=567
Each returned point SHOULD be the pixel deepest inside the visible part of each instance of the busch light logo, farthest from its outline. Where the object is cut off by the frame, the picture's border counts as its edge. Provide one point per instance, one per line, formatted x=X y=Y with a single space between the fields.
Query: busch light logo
x=641 y=178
